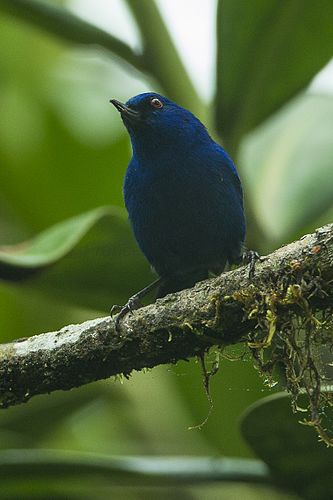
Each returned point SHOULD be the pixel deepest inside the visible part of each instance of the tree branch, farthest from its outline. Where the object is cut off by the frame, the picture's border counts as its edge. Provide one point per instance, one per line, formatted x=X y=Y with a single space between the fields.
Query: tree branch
x=218 y=311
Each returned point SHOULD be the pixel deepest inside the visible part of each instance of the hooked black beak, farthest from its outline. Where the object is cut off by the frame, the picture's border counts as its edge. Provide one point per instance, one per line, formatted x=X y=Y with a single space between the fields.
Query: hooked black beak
x=125 y=111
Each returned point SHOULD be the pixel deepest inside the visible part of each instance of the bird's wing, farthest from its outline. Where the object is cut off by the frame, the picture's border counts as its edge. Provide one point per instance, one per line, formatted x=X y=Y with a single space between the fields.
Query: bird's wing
x=229 y=172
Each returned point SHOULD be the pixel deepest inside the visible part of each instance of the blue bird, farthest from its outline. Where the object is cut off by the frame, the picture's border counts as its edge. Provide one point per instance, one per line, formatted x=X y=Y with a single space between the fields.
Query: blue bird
x=182 y=193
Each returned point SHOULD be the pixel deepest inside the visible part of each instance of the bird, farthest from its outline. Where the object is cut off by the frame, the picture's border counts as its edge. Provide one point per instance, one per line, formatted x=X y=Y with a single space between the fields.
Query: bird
x=183 y=196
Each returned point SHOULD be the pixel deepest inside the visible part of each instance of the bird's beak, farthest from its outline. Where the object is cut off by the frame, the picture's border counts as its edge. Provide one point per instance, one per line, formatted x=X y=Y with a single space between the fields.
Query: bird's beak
x=125 y=111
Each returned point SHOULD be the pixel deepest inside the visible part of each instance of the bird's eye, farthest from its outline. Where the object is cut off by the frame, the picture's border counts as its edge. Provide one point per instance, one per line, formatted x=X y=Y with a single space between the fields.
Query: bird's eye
x=156 y=103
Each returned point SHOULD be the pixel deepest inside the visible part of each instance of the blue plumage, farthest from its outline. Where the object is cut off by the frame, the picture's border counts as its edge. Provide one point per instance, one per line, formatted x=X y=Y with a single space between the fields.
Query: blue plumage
x=182 y=193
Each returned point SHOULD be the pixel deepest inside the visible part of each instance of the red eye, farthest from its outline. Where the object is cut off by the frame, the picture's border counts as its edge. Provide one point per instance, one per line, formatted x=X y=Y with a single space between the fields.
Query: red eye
x=156 y=103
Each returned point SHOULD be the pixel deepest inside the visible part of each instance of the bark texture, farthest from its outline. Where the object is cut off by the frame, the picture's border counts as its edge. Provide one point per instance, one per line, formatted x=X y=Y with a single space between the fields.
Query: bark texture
x=218 y=311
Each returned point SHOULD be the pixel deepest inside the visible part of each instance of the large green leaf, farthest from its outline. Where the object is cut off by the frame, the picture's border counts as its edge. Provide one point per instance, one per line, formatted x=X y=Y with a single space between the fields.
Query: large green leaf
x=288 y=167
x=90 y=259
x=268 y=50
x=292 y=451
x=62 y=23
x=128 y=470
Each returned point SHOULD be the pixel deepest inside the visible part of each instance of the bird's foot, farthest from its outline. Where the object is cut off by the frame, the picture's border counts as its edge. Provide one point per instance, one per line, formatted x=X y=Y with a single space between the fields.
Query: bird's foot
x=121 y=311
x=133 y=302
x=115 y=309
x=250 y=258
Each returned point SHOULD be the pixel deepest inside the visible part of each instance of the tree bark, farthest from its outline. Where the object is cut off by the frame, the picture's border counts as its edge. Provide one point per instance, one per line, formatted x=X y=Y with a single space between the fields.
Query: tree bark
x=217 y=311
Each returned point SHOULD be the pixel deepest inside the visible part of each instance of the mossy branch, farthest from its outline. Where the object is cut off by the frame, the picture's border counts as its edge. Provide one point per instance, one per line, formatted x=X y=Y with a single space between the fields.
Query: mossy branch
x=295 y=281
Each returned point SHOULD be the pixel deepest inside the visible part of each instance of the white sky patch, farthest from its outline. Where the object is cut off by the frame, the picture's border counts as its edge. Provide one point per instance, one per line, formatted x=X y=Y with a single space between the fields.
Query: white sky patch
x=323 y=81
x=111 y=15
x=192 y=26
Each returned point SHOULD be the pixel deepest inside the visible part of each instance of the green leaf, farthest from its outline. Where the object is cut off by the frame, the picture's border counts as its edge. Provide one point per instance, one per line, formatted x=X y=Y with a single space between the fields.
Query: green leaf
x=287 y=167
x=267 y=51
x=62 y=23
x=162 y=59
x=140 y=471
x=90 y=259
x=291 y=450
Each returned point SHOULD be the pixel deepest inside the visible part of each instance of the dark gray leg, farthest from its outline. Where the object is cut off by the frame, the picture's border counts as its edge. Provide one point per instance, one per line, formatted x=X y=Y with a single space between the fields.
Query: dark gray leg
x=250 y=257
x=133 y=302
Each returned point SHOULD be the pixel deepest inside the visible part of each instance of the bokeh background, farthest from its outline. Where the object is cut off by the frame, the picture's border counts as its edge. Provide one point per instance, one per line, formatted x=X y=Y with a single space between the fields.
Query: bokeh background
x=258 y=73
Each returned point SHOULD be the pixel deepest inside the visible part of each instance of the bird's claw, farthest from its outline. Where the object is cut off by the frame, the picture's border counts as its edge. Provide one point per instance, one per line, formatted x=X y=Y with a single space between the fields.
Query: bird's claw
x=115 y=309
x=132 y=304
x=250 y=257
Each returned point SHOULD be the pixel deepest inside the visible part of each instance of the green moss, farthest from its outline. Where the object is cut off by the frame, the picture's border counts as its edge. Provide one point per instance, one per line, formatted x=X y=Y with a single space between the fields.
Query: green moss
x=290 y=325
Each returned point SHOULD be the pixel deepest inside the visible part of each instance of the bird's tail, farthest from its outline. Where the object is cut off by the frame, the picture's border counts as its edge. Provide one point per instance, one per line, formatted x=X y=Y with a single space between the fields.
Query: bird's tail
x=179 y=282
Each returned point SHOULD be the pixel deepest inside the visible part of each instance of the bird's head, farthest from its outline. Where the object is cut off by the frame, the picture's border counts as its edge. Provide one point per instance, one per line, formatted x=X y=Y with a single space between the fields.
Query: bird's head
x=152 y=119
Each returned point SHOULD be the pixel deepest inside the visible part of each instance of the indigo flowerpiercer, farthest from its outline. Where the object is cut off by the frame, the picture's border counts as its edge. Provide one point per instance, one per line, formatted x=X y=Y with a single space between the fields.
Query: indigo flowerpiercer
x=182 y=193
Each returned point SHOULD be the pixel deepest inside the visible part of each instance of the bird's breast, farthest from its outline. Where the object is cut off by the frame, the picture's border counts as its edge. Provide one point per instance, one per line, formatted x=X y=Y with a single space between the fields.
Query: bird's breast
x=183 y=218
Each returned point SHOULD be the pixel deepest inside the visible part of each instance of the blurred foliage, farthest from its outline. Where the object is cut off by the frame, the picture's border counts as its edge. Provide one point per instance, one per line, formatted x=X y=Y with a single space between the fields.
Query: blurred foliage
x=295 y=458
x=287 y=166
x=55 y=261
x=63 y=154
x=268 y=51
